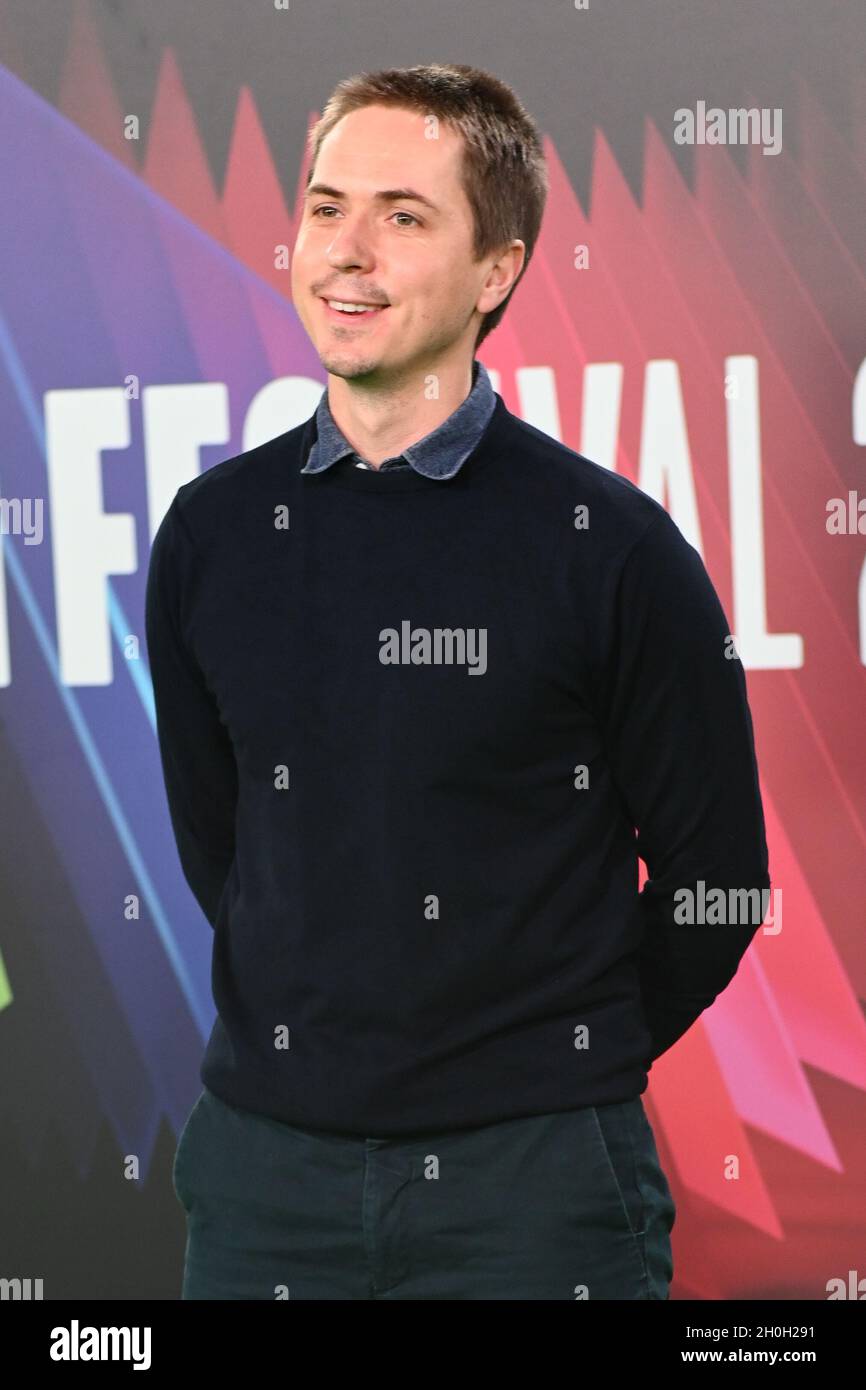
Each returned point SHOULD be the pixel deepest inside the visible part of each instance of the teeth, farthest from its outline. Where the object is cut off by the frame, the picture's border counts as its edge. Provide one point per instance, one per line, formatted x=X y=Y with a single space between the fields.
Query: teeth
x=352 y=308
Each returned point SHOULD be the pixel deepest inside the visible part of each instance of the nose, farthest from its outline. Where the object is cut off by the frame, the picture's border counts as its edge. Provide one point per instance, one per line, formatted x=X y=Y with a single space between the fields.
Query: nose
x=349 y=248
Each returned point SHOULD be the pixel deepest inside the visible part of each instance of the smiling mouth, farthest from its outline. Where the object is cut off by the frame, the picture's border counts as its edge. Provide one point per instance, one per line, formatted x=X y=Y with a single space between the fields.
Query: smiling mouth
x=353 y=314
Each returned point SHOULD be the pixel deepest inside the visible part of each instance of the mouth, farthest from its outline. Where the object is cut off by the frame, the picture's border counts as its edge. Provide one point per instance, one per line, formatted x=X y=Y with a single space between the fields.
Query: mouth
x=353 y=313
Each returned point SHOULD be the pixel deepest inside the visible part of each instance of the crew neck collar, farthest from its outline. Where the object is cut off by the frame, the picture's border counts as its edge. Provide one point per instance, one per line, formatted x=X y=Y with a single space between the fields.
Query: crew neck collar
x=345 y=474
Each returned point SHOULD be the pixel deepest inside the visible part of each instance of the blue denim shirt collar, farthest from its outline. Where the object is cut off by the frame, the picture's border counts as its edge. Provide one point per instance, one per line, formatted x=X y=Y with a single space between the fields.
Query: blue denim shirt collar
x=438 y=455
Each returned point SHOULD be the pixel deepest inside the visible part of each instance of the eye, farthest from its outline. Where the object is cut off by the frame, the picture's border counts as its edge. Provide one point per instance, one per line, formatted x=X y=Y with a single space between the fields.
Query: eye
x=329 y=207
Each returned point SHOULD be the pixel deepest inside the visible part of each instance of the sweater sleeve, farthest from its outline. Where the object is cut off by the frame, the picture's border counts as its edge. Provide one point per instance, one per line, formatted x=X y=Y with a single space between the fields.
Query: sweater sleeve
x=679 y=740
x=197 y=756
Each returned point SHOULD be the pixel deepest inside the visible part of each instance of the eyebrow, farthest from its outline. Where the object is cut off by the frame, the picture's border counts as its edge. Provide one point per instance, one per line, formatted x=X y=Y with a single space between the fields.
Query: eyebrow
x=385 y=195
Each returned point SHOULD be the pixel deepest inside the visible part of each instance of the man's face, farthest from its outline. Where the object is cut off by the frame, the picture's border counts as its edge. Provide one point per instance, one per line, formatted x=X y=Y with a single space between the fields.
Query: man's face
x=413 y=260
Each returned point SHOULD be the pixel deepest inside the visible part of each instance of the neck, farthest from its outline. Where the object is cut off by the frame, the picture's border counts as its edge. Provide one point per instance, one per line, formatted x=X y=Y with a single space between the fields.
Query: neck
x=380 y=423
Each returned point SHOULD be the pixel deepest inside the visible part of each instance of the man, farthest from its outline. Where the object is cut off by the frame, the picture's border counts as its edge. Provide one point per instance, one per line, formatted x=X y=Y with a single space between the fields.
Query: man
x=427 y=684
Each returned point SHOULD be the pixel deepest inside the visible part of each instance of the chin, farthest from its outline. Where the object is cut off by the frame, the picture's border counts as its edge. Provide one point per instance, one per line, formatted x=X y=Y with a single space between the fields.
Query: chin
x=347 y=365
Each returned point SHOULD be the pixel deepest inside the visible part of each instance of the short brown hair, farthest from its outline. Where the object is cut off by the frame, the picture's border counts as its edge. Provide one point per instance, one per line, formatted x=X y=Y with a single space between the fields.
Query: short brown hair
x=504 y=174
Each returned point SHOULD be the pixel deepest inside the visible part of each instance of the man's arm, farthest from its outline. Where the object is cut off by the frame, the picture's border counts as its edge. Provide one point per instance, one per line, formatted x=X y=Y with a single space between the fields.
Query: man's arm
x=679 y=739
x=197 y=756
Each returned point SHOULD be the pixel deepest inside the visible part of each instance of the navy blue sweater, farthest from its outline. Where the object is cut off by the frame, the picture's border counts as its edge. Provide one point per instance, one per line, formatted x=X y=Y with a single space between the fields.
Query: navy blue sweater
x=415 y=733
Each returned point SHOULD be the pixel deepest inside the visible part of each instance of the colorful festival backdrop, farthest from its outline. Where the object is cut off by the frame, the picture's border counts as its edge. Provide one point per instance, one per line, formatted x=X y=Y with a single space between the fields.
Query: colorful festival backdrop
x=694 y=317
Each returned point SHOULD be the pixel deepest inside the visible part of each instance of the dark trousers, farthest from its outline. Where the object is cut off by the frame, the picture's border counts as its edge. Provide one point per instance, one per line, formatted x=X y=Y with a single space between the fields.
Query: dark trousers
x=571 y=1205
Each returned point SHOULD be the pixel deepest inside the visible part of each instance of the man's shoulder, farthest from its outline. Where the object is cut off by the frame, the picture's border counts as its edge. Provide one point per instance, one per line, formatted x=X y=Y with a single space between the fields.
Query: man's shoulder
x=556 y=473
x=216 y=497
